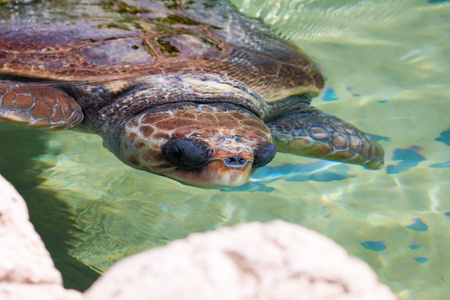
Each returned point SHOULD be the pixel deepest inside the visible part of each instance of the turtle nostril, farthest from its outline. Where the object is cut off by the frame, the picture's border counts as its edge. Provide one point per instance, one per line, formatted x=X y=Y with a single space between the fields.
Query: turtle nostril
x=235 y=161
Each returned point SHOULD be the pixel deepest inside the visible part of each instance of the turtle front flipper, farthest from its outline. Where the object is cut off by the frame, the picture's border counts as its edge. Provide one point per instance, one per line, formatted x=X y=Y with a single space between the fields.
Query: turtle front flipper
x=311 y=132
x=38 y=105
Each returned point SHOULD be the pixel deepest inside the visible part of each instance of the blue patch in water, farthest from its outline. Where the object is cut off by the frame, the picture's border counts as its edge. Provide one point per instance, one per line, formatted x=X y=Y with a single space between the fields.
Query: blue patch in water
x=374 y=245
x=410 y=154
x=383 y=100
x=378 y=138
x=447 y=214
x=444 y=137
x=401 y=166
x=270 y=174
x=408 y=158
x=414 y=245
x=418 y=225
x=420 y=259
x=445 y=164
x=330 y=95
x=316 y=171
x=437 y=1
x=354 y=91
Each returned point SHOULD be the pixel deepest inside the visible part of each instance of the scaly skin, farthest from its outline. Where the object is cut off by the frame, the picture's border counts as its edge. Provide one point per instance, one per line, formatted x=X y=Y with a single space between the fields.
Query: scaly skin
x=31 y=105
x=310 y=132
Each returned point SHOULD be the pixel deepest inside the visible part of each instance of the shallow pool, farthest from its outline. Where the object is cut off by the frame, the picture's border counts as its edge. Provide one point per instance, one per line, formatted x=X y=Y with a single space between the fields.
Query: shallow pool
x=388 y=67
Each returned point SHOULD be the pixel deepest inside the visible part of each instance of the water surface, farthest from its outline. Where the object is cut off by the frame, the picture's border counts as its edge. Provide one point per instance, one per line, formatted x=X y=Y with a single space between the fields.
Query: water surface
x=387 y=69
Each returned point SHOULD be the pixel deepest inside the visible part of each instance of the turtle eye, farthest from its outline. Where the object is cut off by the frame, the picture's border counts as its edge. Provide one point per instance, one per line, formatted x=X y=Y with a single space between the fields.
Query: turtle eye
x=185 y=153
x=263 y=154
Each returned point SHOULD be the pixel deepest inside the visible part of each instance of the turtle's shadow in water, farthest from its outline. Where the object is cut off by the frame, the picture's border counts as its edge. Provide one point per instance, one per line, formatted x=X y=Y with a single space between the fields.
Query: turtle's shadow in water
x=322 y=171
x=49 y=215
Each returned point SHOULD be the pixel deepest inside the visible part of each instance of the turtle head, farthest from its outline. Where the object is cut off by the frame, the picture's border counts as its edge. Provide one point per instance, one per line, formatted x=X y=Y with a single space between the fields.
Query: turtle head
x=210 y=145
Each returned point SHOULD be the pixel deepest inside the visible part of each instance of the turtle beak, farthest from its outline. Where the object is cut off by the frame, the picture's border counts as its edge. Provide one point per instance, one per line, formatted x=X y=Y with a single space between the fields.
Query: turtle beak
x=227 y=170
x=217 y=173
x=202 y=165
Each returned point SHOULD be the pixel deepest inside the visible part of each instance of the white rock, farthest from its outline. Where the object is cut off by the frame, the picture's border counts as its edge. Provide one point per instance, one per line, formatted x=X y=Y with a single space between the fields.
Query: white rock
x=26 y=268
x=24 y=258
x=18 y=291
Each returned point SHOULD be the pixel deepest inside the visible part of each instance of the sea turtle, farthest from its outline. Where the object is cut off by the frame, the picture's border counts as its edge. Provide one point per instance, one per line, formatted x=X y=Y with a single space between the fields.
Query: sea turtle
x=191 y=90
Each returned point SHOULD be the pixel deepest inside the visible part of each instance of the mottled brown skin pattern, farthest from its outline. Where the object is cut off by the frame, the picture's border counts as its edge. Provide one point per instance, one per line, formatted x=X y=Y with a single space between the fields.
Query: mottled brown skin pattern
x=227 y=131
x=47 y=108
x=191 y=90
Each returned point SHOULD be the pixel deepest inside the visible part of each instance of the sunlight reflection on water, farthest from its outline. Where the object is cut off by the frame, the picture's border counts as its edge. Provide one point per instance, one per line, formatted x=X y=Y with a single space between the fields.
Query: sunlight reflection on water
x=387 y=67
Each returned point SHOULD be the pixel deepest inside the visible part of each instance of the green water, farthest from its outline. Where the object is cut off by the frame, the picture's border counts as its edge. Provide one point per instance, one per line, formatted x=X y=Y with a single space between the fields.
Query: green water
x=387 y=65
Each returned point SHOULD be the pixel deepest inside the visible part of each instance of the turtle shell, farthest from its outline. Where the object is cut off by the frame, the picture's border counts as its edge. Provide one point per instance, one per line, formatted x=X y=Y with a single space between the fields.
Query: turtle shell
x=99 y=41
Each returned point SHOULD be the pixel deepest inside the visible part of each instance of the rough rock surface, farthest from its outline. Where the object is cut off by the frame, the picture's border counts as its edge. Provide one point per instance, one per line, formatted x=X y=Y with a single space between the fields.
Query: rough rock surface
x=20 y=291
x=27 y=259
x=26 y=268
x=276 y=260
